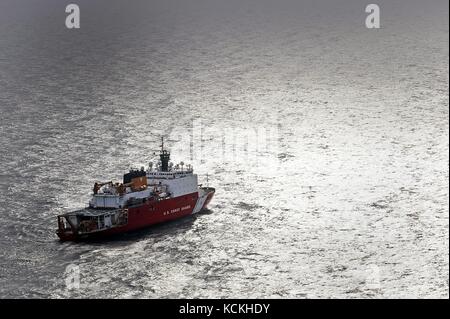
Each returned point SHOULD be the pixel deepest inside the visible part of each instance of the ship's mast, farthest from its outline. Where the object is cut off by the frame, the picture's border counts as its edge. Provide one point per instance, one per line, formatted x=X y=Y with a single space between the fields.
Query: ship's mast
x=164 y=157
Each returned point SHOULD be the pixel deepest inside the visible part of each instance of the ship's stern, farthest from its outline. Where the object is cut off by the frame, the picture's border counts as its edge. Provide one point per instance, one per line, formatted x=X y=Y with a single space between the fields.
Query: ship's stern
x=66 y=230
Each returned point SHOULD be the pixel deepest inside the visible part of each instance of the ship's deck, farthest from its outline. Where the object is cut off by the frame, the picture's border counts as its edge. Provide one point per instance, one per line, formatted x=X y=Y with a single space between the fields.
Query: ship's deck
x=91 y=212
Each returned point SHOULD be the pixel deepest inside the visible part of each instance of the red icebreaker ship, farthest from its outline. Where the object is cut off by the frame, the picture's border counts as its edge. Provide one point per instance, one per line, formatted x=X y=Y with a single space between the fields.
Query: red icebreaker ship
x=145 y=197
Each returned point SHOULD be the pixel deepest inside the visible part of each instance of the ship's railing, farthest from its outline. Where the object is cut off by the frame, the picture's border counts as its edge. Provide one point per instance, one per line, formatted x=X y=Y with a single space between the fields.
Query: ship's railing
x=99 y=222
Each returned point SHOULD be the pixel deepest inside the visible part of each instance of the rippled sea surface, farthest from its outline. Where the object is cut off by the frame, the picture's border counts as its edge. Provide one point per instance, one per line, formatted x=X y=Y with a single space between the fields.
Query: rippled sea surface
x=348 y=197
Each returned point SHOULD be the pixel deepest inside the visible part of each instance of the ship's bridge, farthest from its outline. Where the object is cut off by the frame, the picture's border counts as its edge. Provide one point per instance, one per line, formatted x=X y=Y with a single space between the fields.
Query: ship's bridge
x=179 y=182
x=169 y=174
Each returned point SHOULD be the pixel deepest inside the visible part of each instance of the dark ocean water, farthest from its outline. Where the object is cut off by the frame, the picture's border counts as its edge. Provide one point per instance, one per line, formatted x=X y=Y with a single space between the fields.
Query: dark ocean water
x=340 y=188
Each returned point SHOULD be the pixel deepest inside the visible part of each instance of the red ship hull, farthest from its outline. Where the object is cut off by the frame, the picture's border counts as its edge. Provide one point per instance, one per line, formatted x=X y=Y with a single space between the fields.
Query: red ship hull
x=147 y=214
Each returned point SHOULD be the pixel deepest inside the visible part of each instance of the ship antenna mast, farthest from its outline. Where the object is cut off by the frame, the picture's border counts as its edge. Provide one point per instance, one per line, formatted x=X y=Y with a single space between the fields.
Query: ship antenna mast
x=164 y=157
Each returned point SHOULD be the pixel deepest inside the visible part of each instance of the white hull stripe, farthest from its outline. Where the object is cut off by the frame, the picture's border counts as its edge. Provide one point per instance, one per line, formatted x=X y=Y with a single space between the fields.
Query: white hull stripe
x=200 y=201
